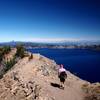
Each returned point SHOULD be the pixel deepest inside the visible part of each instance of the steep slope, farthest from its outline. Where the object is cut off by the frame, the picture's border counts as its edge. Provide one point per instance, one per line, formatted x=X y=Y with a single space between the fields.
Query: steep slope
x=7 y=57
x=37 y=80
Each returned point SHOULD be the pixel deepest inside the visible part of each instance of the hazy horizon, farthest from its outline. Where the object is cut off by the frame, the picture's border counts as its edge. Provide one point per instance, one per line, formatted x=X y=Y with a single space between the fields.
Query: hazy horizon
x=53 y=41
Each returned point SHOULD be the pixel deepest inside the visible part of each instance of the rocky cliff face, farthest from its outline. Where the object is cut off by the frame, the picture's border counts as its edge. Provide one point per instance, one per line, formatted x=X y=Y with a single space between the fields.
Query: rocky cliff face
x=37 y=79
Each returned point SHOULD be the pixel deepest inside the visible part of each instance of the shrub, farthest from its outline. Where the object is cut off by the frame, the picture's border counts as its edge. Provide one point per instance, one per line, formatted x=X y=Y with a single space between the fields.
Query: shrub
x=92 y=91
x=20 y=51
x=6 y=49
x=1 y=56
x=10 y=64
x=31 y=57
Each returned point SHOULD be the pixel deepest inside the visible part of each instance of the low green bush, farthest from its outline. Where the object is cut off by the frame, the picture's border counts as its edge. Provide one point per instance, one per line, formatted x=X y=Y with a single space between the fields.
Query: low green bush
x=10 y=64
x=20 y=51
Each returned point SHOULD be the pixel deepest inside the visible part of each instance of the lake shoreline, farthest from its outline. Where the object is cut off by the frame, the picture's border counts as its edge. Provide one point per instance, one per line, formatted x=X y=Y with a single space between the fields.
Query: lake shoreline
x=84 y=59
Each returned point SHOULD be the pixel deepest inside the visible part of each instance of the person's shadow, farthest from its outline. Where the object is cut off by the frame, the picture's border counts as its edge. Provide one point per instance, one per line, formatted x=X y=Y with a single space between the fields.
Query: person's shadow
x=55 y=85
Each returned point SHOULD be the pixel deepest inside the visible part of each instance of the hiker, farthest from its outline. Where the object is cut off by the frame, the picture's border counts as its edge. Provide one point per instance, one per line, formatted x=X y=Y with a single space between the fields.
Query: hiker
x=62 y=74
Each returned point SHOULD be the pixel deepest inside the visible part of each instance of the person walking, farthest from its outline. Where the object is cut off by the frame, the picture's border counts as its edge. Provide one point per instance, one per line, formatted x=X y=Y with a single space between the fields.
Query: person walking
x=62 y=74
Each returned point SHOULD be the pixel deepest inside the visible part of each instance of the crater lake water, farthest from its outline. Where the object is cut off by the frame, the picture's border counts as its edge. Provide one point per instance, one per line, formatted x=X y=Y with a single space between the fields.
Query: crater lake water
x=82 y=62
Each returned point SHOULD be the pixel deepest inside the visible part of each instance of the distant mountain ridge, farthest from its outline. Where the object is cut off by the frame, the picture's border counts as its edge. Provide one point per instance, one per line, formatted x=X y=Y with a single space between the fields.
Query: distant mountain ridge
x=94 y=45
x=65 y=42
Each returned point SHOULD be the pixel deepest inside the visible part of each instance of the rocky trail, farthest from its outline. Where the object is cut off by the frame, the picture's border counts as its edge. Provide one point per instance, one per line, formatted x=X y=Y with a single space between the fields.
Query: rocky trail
x=37 y=80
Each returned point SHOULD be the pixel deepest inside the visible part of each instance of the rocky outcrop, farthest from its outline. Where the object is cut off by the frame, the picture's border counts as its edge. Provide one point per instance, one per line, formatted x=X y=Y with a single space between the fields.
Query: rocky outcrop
x=21 y=82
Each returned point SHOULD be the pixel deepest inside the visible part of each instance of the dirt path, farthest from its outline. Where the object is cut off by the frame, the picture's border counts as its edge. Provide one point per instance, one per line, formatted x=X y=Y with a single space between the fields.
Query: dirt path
x=33 y=70
x=50 y=84
x=72 y=90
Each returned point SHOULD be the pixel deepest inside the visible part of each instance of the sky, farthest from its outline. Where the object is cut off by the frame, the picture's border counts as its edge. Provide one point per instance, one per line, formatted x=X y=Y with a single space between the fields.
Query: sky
x=49 y=20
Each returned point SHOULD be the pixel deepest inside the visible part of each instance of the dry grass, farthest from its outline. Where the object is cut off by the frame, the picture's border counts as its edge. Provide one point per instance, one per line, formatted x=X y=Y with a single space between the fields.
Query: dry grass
x=92 y=91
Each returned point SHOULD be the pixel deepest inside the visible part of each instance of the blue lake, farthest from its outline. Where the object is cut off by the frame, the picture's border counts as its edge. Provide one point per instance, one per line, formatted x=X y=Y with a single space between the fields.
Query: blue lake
x=82 y=62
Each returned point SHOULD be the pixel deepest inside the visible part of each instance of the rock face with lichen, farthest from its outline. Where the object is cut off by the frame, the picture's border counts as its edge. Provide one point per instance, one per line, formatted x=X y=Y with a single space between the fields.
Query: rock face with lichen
x=37 y=79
